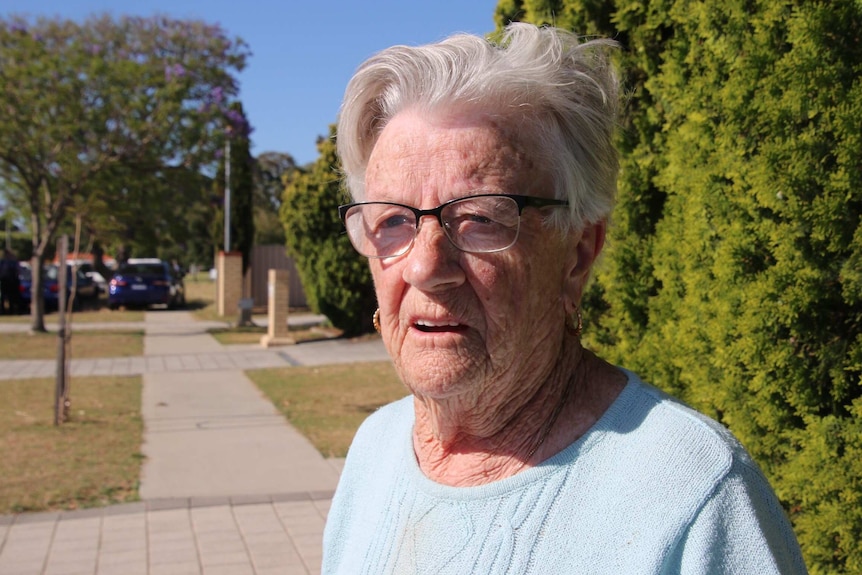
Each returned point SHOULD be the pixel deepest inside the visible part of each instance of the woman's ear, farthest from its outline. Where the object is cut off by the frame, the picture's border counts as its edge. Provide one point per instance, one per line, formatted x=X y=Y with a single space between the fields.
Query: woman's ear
x=590 y=242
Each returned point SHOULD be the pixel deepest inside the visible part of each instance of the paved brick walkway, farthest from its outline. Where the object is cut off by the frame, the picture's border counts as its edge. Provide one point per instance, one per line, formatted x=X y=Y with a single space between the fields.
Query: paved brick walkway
x=236 y=536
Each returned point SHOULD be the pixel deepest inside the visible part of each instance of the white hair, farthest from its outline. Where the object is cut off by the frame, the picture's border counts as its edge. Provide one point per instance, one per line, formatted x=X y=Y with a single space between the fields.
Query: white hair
x=560 y=92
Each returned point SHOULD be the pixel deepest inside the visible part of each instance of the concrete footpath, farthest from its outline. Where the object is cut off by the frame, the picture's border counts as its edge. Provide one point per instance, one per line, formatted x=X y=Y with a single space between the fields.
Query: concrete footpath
x=228 y=487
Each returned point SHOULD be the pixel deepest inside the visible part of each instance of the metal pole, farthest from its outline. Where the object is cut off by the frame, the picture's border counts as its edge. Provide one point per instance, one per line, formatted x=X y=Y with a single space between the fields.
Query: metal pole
x=227 y=197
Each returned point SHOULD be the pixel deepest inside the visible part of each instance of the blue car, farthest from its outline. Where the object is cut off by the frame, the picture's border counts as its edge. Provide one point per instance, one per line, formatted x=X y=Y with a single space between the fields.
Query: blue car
x=145 y=282
x=85 y=289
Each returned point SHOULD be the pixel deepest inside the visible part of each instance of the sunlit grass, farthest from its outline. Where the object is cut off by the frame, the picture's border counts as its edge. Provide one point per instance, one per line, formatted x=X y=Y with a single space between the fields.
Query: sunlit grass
x=93 y=459
x=84 y=344
x=328 y=403
x=95 y=313
x=201 y=297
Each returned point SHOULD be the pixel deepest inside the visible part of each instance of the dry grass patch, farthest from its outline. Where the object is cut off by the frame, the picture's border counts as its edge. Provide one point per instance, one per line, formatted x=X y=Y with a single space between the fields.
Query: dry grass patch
x=201 y=297
x=97 y=315
x=102 y=315
x=94 y=459
x=84 y=345
x=328 y=403
x=252 y=334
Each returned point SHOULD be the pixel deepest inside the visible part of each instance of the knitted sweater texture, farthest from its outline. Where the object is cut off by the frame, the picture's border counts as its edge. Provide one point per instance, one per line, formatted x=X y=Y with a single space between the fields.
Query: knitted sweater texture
x=653 y=488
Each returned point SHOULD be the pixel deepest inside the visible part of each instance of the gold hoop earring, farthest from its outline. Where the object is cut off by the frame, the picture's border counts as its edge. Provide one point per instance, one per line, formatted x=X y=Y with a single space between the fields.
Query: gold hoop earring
x=574 y=323
x=375 y=319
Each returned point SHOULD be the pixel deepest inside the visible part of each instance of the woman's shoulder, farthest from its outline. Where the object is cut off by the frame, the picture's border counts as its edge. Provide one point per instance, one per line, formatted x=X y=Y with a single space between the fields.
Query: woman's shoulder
x=673 y=429
x=380 y=440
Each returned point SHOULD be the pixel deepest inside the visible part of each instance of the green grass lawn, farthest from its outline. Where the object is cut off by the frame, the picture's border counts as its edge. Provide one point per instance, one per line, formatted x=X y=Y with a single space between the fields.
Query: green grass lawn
x=92 y=460
x=84 y=344
x=252 y=334
x=327 y=404
x=201 y=297
x=100 y=314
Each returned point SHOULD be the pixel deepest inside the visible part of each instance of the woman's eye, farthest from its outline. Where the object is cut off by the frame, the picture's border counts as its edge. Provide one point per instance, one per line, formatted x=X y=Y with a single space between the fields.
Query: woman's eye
x=391 y=221
x=467 y=221
x=478 y=219
x=394 y=221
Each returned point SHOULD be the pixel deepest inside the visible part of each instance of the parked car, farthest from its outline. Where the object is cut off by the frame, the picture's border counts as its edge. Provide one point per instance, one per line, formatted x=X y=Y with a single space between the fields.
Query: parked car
x=85 y=289
x=144 y=282
x=22 y=305
x=89 y=270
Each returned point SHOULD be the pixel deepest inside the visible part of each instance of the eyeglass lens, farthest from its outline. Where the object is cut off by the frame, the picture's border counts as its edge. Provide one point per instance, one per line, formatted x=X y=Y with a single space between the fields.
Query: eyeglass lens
x=479 y=225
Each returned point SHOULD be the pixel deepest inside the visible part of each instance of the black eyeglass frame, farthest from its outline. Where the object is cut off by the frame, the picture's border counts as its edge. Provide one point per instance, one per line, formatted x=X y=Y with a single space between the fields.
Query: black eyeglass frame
x=520 y=200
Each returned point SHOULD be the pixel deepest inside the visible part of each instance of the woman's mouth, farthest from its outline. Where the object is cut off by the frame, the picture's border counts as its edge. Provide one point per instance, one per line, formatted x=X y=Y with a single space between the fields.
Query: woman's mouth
x=429 y=326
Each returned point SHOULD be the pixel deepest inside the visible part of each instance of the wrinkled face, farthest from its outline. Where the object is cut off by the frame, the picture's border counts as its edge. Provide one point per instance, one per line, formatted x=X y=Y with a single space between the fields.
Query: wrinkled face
x=454 y=322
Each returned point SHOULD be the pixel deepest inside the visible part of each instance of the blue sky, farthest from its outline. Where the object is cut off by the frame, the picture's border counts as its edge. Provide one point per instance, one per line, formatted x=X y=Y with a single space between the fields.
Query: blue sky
x=303 y=51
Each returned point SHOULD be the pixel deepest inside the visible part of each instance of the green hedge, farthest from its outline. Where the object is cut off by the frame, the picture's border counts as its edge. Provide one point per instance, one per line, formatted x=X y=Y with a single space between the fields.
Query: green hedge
x=734 y=273
x=336 y=279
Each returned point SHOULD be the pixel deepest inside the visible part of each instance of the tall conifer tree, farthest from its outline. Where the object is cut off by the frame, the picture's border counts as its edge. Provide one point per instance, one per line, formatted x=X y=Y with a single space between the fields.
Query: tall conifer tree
x=336 y=279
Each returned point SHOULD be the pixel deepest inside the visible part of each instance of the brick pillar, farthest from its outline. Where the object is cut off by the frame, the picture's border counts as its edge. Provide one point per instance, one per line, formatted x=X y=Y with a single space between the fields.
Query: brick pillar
x=229 y=282
x=278 y=299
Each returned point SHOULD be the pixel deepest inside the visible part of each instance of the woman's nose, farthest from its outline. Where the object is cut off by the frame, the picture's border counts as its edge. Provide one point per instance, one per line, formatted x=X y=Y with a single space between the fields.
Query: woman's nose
x=433 y=263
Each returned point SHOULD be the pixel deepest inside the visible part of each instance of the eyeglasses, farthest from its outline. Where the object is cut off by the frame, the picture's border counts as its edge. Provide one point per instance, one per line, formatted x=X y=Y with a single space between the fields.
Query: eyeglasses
x=477 y=224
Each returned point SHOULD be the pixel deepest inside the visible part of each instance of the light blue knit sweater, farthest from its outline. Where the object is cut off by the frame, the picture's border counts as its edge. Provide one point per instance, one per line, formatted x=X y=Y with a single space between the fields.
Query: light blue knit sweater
x=653 y=488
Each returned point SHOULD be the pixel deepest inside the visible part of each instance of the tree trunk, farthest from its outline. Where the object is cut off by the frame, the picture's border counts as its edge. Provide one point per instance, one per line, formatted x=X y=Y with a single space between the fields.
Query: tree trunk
x=37 y=302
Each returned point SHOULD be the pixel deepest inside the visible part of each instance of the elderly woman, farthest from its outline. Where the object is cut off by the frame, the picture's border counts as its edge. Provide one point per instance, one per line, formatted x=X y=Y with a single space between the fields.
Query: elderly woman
x=483 y=177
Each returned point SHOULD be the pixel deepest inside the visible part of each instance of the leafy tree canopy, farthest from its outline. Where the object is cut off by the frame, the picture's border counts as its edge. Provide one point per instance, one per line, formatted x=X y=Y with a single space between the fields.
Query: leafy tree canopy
x=133 y=96
x=272 y=170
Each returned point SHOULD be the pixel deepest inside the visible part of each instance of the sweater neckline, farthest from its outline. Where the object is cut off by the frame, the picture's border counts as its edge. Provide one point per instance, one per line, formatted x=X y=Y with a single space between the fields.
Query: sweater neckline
x=610 y=420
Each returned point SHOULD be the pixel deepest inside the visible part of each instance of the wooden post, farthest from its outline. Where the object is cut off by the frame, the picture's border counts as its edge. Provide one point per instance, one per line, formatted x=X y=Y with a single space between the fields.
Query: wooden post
x=278 y=301
x=60 y=387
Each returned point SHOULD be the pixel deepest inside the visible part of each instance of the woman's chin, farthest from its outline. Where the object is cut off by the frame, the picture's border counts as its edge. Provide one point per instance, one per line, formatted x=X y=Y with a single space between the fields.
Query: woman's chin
x=438 y=373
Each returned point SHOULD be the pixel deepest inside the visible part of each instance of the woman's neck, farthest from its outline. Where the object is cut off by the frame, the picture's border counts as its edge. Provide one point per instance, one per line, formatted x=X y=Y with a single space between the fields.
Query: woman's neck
x=462 y=442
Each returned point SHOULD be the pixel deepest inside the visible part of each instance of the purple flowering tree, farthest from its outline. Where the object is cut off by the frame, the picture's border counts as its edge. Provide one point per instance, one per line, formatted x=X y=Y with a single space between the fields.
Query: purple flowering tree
x=93 y=112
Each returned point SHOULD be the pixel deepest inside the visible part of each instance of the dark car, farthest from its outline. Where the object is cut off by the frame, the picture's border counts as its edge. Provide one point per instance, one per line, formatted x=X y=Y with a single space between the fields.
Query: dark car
x=24 y=281
x=145 y=282
x=85 y=289
x=89 y=270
